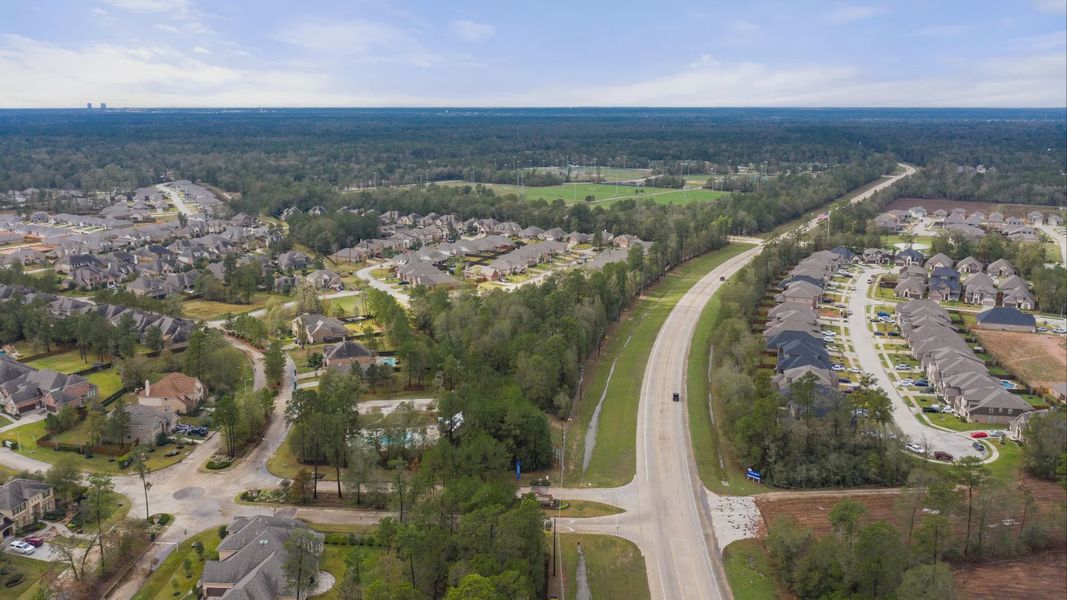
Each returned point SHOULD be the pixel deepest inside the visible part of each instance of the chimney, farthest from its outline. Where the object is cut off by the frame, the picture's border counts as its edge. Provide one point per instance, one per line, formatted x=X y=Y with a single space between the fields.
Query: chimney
x=147 y=388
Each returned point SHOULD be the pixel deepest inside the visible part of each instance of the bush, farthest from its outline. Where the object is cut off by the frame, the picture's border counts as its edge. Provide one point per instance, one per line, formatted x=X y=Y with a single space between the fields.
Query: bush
x=223 y=530
x=164 y=519
x=215 y=465
x=14 y=580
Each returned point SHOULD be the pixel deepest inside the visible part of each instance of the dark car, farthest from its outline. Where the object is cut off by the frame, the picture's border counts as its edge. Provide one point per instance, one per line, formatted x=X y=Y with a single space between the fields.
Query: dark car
x=931 y=409
x=723 y=278
x=942 y=455
x=978 y=446
x=36 y=542
x=676 y=397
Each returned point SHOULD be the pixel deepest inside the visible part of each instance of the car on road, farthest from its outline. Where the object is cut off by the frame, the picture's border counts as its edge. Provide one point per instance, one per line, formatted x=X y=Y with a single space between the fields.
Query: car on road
x=944 y=456
x=979 y=435
x=21 y=547
x=916 y=448
x=722 y=278
x=676 y=397
x=36 y=542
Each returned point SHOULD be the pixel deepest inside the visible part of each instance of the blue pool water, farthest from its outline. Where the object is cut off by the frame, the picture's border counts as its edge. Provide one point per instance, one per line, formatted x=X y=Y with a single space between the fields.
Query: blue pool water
x=1007 y=384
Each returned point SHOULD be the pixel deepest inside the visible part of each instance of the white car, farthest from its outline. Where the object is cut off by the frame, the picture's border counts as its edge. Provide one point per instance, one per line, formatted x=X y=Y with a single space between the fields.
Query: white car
x=837 y=368
x=22 y=547
x=916 y=448
x=1059 y=330
x=903 y=367
x=854 y=370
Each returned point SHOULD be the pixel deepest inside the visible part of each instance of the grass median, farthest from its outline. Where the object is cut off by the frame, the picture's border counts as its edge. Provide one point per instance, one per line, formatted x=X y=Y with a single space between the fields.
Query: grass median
x=614 y=458
x=749 y=571
x=614 y=567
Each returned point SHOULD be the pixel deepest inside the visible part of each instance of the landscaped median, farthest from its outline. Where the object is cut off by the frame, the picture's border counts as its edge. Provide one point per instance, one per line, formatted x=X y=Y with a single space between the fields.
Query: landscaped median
x=613 y=567
x=614 y=457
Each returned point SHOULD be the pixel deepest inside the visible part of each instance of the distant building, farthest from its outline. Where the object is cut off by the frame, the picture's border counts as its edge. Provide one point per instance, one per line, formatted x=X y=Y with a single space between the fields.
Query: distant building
x=176 y=392
x=103 y=106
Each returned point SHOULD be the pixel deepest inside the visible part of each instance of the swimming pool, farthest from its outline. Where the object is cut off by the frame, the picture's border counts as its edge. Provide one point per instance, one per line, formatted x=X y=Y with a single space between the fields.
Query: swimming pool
x=1008 y=385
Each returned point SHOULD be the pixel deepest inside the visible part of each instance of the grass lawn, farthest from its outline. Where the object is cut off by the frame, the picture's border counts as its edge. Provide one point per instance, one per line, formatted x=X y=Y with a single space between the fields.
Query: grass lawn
x=584 y=508
x=614 y=566
x=748 y=571
x=614 y=457
x=27 y=436
x=114 y=508
x=208 y=310
x=333 y=561
x=66 y=362
x=283 y=463
x=108 y=382
x=159 y=587
x=707 y=441
x=955 y=424
x=604 y=194
x=31 y=570
x=346 y=303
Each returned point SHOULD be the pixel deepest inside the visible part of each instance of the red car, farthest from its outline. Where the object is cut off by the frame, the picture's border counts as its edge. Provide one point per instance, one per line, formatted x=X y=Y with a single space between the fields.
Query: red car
x=979 y=434
x=34 y=541
x=943 y=456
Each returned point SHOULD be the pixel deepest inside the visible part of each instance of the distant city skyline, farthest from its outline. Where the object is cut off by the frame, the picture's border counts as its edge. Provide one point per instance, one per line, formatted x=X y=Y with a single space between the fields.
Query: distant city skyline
x=190 y=53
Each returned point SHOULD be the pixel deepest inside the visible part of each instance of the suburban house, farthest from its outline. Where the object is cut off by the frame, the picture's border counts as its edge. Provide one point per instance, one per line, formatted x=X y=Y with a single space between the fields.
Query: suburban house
x=318 y=329
x=344 y=354
x=1000 y=268
x=23 y=388
x=1054 y=220
x=420 y=273
x=1036 y=218
x=176 y=392
x=877 y=256
x=1019 y=298
x=325 y=280
x=1006 y=319
x=887 y=221
x=909 y=256
x=980 y=289
x=1017 y=427
x=251 y=561
x=970 y=265
x=939 y=260
x=910 y=287
x=24 y=502
x=146 y=422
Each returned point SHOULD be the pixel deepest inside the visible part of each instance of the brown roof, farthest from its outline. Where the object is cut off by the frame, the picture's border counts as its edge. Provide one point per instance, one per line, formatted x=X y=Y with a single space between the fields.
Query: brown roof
x=174 y=385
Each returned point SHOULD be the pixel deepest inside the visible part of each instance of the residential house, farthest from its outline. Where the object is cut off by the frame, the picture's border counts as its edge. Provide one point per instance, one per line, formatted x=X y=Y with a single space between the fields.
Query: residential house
x=909 y=256
x=252 y=557
x=147 y=422
x=980 y=289
x=938 y=260
x=1054 y=220
x=887 y=221
x=944 y=284
x=318 y=329
x=1006 y=319
x=1036 y=217
x=23 y=388
x=1019 y=298
x=325 y=280
x=23 y=502
x=176 y=392
x=293 y=261
x=346 y=353
x=970 y=265
x=1000 y=268
x=877 y=256
x=995 y=219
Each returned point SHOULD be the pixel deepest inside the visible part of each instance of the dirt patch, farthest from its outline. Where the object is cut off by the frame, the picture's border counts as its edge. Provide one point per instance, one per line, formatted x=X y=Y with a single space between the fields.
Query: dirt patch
x=1035 y=578
x=1040 y=360
x=812 y=509
x=1009 y=210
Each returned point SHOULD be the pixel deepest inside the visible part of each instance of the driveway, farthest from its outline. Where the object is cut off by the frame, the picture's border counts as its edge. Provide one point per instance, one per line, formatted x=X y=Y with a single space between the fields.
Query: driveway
x=860 y=308
x=366 y=275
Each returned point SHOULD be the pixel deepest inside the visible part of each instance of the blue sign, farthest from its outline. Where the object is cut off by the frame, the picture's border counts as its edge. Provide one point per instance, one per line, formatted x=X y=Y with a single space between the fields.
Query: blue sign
x=753 y=474
x=518 y=470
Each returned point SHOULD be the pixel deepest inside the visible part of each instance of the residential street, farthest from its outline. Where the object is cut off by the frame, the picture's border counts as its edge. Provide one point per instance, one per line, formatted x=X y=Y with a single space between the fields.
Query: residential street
x=1056 y=233
x=863 y=343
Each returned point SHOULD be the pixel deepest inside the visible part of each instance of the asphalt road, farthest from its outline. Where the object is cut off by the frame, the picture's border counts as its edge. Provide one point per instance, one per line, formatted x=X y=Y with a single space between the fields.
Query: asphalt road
x=863 y=344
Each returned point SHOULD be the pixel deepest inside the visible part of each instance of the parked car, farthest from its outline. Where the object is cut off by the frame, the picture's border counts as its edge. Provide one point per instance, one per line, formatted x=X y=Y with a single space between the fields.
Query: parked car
x=894 y=334
x=22 y=547
x=902 y=367
x=942 y=455
x=979 y=446
x=676 y=397
x=878 y=334
x=922 y=383
x=979 y=434
x=883 y=314
x=1042 y=329
x=916 y=448
x=931 y=409
x=1059 y=330
x=36 y=542
x=854 y=370
x=837 y=368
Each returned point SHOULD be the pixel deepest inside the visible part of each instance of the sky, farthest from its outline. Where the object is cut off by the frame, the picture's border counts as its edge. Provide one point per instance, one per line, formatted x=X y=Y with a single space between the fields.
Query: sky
x=274 y=53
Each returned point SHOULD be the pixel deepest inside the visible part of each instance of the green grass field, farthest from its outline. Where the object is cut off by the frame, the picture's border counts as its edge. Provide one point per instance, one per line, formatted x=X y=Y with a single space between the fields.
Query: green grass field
x=208 y=310
x=604 y=193
x=748 y=571
x=584 y=508
x=65 y=362
x=706 y=437
x=108 y=382
x=614 y=458
x=159 y=585
x=31 y=570
x=26 y=435
x=614 y=566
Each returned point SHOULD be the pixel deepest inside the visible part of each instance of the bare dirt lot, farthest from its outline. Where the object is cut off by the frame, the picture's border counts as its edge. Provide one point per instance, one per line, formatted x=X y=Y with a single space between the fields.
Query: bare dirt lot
x=1040 y=360
x=1039 y=577
x=812 y=509
x=1009 y=210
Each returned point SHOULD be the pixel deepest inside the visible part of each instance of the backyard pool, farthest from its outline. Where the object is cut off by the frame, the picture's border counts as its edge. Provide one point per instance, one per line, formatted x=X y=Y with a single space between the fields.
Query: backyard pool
x=1008 y=385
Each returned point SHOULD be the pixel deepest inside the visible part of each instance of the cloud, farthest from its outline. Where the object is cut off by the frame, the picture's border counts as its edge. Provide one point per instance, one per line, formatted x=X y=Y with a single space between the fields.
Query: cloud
x=201 y=50
x=848 y=13
x=1058 y=7
x=360 y=40
x=741 y=26
x=471 y=31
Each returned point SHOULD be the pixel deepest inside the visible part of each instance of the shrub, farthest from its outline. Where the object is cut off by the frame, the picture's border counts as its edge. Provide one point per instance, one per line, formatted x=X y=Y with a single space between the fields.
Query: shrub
x=164 y=518
x=14 y=580
x=223 y=530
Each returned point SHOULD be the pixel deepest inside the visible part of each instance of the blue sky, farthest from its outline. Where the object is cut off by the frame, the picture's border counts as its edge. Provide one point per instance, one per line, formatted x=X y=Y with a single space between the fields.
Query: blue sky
x=195 y=53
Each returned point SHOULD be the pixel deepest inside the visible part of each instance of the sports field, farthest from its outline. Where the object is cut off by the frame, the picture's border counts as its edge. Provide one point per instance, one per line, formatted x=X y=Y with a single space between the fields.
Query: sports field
x=604 y=194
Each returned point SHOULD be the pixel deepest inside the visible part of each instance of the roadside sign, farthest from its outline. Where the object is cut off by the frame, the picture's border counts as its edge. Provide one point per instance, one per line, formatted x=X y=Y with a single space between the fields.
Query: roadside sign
x=753 y=474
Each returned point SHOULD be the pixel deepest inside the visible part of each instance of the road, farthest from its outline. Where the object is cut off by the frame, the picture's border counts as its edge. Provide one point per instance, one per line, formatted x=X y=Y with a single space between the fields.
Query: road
x=860 y=307
x=365 y=275
x=175 y=199
x=1058 y=235
x=908 y=170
